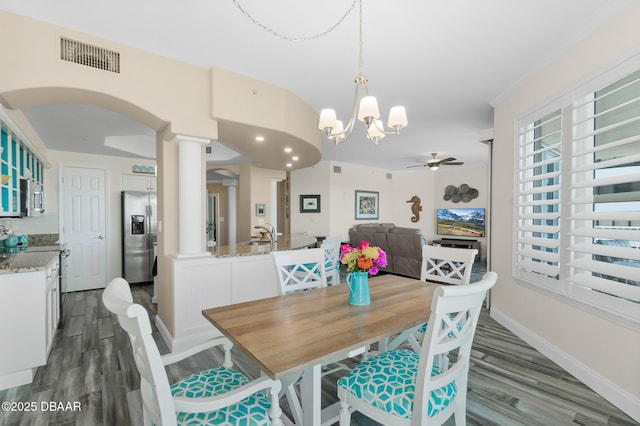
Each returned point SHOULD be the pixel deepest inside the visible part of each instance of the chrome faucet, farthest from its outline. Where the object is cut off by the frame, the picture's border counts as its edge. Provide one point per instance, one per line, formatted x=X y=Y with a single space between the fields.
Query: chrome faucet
x=269 y=231
x=274 y=233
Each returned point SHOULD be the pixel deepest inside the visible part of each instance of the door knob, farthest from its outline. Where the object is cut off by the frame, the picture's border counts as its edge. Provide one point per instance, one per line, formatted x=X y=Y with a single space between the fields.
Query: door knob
x=100 y=237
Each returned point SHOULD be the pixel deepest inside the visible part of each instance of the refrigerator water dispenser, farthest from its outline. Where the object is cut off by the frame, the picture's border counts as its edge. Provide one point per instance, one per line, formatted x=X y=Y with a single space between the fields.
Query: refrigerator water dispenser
x=137 y=224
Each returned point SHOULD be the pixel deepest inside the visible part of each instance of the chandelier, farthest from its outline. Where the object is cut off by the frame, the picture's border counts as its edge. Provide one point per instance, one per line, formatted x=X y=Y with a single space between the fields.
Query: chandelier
x=367 y=113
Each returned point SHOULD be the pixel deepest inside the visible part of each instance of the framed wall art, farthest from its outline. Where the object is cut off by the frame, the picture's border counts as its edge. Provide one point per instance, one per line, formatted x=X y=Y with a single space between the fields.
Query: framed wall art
x=261 y=209
x=309 y=203
x=367 y=205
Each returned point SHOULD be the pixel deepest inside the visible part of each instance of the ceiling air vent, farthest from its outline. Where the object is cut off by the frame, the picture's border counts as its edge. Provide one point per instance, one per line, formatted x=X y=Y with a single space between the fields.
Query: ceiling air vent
x=389 y=176
x=337 y=169
x=89 y=55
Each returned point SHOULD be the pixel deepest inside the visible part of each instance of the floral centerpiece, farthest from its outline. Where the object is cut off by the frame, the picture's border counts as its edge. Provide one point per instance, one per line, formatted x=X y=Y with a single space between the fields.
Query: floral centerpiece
x=364 y=258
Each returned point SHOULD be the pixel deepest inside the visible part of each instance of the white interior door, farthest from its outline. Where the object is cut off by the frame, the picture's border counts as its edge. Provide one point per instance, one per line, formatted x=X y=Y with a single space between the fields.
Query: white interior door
x=83 y=216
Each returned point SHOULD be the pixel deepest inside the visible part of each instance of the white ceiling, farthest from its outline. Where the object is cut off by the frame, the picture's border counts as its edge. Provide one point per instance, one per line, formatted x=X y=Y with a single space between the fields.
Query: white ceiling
x=446 y=61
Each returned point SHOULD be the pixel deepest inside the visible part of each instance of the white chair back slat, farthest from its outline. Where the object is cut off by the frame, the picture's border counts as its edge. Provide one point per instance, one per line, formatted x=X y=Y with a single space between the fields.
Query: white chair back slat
x=133 y=318
x=299 y=270
x=159 y=406
x=333 y=238
x=375 y=389
x=331 y=247
x=447 y=265
x=452 y=325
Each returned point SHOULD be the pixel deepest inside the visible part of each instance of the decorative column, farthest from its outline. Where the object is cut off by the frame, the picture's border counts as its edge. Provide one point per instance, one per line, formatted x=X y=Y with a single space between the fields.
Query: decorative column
x=231 y=185
x=273 y=204
x=191 y=232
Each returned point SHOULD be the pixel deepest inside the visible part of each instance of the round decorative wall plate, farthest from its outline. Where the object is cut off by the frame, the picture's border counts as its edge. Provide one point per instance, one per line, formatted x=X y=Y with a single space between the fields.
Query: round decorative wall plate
x=463 y=193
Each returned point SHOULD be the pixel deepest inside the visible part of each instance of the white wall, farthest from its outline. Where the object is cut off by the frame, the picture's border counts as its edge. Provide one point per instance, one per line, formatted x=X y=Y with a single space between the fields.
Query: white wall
x=602 y=353
x=406 y=184
x=311 y=181
x=254 y=188
x=337 y=192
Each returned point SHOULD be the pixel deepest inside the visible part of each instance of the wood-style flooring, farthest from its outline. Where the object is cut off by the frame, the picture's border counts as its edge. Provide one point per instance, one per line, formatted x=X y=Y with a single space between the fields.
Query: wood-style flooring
x=510 y=383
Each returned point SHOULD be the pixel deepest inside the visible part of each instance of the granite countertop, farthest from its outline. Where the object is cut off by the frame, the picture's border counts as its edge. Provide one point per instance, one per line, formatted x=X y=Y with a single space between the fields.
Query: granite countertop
x=285 y=242
x=11 y=263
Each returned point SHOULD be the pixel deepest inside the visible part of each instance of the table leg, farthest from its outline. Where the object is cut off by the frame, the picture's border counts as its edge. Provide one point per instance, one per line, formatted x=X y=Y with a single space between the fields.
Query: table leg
x=310 y=389
x=289 y=391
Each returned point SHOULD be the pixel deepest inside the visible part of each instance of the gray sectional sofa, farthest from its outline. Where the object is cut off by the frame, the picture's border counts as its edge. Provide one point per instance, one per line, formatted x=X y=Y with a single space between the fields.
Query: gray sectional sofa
x=402 y=245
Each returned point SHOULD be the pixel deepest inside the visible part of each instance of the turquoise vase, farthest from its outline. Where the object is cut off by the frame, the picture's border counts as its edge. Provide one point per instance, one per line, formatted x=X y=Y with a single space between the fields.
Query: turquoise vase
x=358 y=284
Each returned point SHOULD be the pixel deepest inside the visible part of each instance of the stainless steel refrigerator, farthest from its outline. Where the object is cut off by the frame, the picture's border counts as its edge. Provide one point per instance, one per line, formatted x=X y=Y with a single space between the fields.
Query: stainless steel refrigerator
x=139 y=235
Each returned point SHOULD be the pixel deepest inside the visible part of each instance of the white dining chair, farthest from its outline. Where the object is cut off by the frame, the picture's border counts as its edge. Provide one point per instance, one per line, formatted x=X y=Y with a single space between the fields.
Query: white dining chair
x=331 y=247
x=220 y=395
x=299 y=270
x=402 y=387
x=445 y=265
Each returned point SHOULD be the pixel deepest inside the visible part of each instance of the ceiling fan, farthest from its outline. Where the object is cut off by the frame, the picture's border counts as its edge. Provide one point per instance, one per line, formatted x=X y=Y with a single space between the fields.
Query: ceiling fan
x=434 y=163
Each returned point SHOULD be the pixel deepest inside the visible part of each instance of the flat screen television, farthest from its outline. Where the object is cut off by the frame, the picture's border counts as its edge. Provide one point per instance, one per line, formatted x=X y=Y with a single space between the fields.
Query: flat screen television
x=463 y=222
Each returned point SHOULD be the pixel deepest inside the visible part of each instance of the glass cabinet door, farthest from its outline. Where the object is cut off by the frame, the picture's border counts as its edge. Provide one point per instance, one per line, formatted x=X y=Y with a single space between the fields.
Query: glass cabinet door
x=16 y=162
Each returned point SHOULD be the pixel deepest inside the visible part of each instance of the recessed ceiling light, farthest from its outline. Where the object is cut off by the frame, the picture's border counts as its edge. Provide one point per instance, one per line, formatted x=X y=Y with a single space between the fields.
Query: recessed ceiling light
x=259 y=138
x=289 y=165
x=287 y=150
x=295 y=158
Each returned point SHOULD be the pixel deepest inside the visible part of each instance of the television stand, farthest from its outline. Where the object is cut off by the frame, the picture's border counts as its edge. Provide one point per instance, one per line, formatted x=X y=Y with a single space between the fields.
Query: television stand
x=452 y=242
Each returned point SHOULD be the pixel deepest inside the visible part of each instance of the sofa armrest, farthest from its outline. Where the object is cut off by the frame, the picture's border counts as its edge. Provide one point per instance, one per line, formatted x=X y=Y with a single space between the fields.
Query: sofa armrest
x=406 y=245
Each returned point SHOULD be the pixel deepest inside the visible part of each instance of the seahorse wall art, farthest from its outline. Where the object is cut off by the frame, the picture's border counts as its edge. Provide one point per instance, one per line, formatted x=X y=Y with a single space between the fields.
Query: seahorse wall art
x=416 y=208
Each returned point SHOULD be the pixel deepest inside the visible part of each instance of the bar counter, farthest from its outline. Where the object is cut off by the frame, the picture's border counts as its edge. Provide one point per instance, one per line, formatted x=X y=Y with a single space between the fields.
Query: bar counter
x=232 y=274
x=259 y=247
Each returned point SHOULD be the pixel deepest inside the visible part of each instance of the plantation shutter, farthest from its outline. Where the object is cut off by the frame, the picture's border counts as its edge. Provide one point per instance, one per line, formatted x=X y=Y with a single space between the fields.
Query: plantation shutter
x=537 y=256
x=604 y=193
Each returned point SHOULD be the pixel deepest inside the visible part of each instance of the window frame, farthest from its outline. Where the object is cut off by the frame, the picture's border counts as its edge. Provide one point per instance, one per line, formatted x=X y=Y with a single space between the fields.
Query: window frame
x=612 y=307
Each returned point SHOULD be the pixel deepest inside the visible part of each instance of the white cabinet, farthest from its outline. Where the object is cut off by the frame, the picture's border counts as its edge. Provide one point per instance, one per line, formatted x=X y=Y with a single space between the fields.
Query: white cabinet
x=29 y=313
x=52 y=301
x=22 y=330
x=138 y=183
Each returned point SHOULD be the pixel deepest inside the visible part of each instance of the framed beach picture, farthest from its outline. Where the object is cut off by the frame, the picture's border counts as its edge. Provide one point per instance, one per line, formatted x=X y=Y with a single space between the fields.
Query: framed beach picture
x=310 y=204
x=367 y=205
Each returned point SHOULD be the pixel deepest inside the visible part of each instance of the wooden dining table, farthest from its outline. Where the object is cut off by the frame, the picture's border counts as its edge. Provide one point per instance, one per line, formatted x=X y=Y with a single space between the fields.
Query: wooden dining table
x=298 y=332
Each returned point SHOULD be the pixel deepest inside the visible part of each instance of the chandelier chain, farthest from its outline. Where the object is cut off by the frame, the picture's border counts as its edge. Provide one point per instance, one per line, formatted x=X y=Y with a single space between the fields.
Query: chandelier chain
x=360 y=61
x=302 y=38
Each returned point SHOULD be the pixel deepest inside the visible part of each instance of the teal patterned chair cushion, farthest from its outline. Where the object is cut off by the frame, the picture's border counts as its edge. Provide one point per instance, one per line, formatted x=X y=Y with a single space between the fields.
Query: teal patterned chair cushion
x=387 y=382
x=251 y=411
x=423 y=328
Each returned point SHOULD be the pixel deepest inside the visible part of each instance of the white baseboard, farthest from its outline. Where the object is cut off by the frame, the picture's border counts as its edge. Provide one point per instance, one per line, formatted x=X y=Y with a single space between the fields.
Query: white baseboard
x=164 y=333
x=604 y=387
x=196 y=335
x=17 y=378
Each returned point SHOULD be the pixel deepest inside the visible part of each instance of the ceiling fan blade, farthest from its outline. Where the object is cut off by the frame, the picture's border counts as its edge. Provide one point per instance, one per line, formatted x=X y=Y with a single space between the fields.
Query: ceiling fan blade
x=448 y=160
x=434 y=163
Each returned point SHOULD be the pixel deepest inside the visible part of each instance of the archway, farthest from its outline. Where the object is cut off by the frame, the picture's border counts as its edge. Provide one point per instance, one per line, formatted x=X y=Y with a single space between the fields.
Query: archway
x=167 y=169
x=183 y=103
